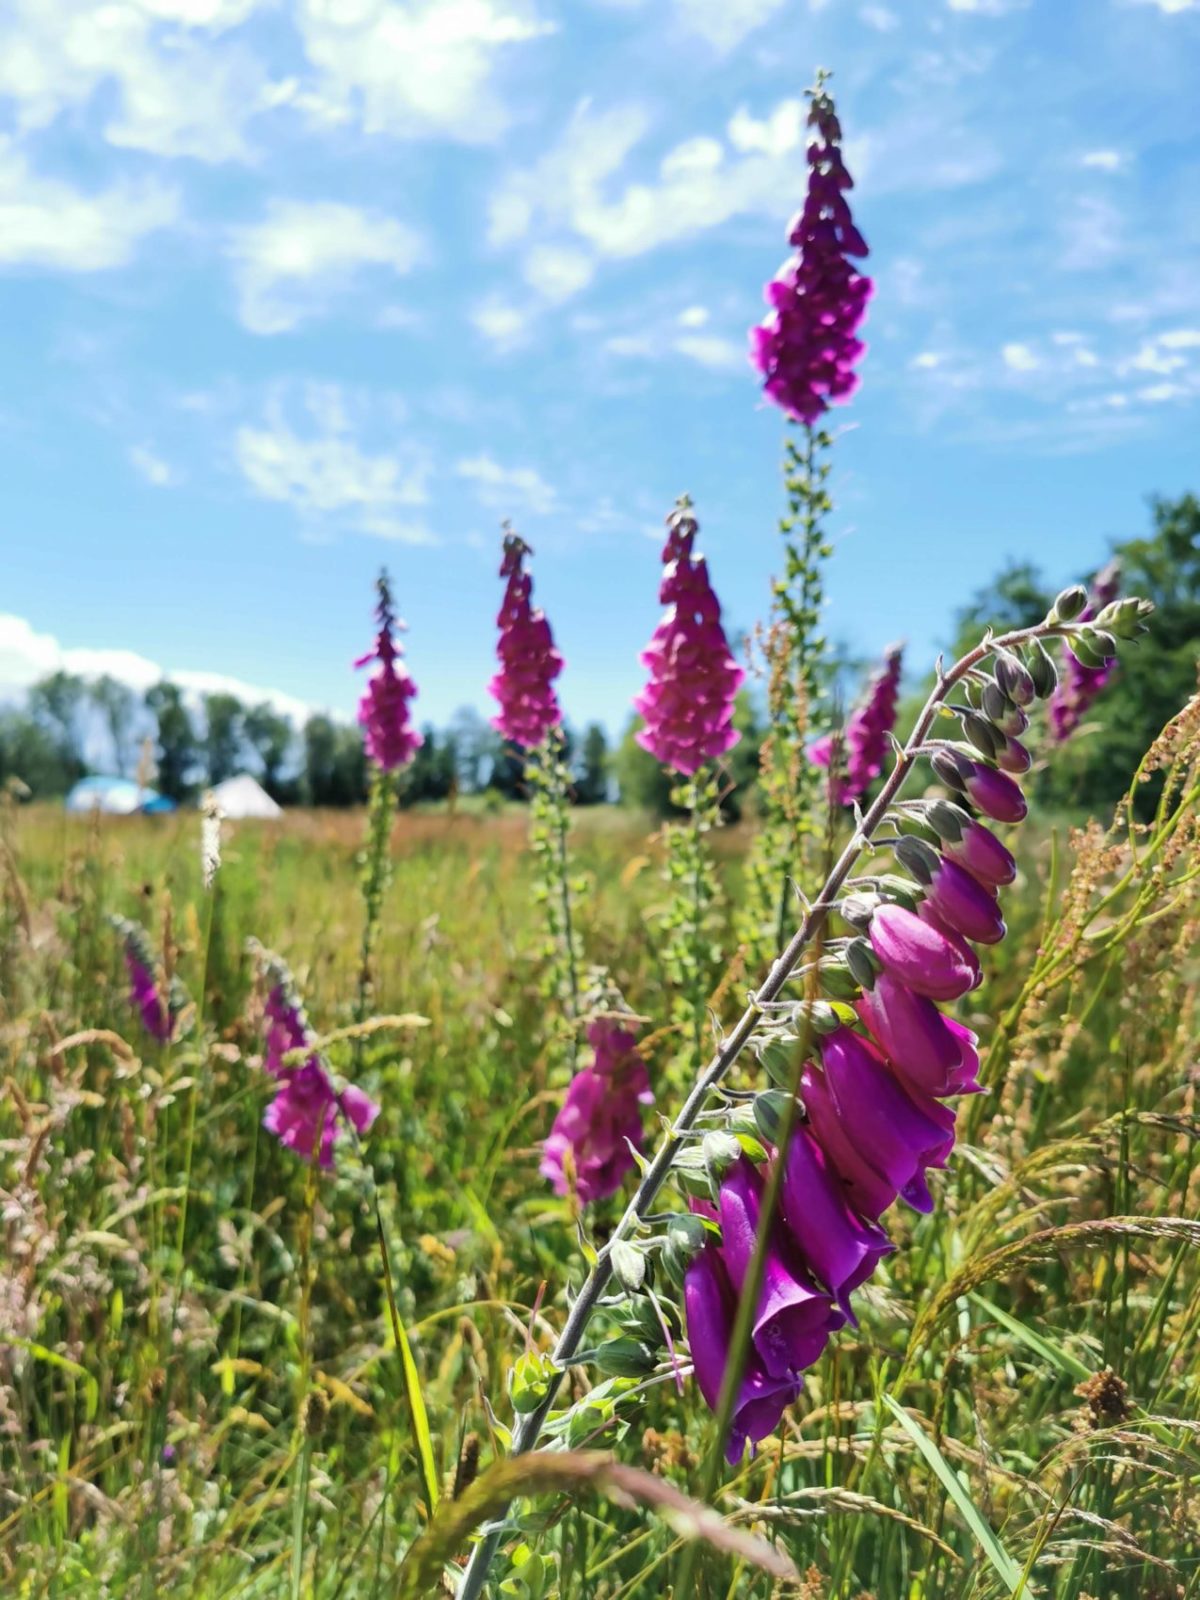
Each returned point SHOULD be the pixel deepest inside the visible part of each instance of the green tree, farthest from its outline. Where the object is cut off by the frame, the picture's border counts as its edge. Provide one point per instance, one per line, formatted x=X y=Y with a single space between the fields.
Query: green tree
x=223 y=714
x=591 y=780
x=176 y=748
x=28 y=752
x=642 y=781
x=269 y=734
x=56 y=704
x=116 y=705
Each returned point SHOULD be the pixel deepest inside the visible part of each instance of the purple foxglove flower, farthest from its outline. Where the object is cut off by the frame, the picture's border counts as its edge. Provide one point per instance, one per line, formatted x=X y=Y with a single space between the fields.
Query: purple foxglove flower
x=600 y=1117
x=996 y=795
x=1014 y=758
x=840 y=1247
x=865 y=740
x=529 y=663
x=304 y=1114
x=931 y=1053
x=807 y=346
x=1078 y=686
x=383 y=711
x=983 y=855
x=966 y=954
x=965 y=904
x=898 y=1133
x=305 y=1111
x=158 y=1016
x=921 y=955
x=867 y=1190
x=688 y=703
x=710 y=1309
x=795 y=1317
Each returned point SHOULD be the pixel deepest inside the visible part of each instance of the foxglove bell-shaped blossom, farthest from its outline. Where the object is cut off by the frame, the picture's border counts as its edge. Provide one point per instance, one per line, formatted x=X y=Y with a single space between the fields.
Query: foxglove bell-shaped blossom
x=1078 y=686
x=157 y=1014
x=795 y=1317
x=995 y=794
x=842 y=1249
x=529 y=663
x=808 y=345
x=898 y=1133
x=930 y=1052
x=982 y=854
x=965 y=904
x=383 y=712
x=687 y=706
x=863 y=745
x=588 y=1148
x=710 y=1308
x=308 y=1109
x=922 y=955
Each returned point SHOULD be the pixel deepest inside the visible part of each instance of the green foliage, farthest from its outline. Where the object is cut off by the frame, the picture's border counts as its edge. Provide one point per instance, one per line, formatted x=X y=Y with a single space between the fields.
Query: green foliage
x=177 y=748
x=223 y=715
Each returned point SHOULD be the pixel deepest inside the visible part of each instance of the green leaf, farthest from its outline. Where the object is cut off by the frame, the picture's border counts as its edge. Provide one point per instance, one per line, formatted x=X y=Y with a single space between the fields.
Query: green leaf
x=1049 y=1351
x=1005 y=1567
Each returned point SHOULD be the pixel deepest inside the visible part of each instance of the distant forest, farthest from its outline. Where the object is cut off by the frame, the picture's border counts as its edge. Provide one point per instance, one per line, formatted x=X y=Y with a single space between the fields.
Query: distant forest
x=180 y=746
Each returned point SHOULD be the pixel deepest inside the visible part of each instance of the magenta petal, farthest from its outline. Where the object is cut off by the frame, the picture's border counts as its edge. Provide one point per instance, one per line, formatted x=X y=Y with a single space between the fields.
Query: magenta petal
x=920 y=955
x=966 y=905
x=933 y=1054
x=841 y=1247
x=982 y=854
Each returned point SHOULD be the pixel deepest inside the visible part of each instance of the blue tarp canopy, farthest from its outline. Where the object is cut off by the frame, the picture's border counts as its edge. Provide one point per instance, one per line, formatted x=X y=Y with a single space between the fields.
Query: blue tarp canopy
x=117 y=796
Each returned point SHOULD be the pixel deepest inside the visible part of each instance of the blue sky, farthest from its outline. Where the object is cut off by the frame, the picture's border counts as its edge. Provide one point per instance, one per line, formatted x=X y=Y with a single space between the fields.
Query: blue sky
x=293 y=288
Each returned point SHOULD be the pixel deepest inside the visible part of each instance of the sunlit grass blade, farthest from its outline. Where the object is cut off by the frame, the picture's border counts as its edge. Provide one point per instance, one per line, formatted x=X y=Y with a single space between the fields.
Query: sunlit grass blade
x=1005 y=1567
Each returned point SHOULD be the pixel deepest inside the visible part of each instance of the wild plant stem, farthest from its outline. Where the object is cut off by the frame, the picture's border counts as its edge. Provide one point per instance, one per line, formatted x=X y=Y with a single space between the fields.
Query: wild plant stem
x=529 y=1426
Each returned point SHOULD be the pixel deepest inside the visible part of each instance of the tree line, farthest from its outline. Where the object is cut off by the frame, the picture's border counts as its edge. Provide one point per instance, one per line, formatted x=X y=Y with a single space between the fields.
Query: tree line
x=192 y=745
x=70 y=726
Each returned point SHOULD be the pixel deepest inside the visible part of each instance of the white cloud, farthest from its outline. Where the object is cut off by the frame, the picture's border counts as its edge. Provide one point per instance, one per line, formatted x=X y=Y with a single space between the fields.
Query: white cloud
x=1094 y=234
x=1173 y=8
x=1181 y=339
x=713 y=351
x=414 y=68
x=504 y=324
x=171 y=91
x=693 y=317
x=927 y=360
x=725 y=23
x=27 y=655
x=46 y=223
x=775 y=135
x=987 y=8
x=1102 y=160
x=303 y=253
x=508 y=489
x=880 y=18
x=700 y=183
x=557 y=271
x=1152 y=357
x=1158 y=393
x=152 y=467
x=1020 y=358
x=326 y=476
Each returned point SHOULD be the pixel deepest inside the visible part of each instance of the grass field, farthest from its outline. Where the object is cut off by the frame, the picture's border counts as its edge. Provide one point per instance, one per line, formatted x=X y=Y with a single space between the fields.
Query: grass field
x=200 y=1387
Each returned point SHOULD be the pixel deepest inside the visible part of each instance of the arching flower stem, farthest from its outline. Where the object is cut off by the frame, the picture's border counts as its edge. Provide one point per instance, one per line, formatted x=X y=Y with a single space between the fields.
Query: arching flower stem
x=529 y=1425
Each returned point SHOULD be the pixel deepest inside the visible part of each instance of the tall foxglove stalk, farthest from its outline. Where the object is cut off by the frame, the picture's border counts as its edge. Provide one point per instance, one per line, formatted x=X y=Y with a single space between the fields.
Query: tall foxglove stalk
x=530 y=717
x=1085 y=672
x=687 y=708
x=854 y=757
x=806 y=349
x=391 y=741
x=869 y=1115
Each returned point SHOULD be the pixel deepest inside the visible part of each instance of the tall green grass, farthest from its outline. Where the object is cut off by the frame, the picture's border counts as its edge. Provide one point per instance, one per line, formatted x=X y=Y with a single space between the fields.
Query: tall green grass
x=200 y=1389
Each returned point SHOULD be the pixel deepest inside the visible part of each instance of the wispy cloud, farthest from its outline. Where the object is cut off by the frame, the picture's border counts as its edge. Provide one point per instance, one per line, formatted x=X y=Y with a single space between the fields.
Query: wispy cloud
x=148 y=464
x=303 y=254
x=508 y=489
x=328 y=478
x=46 y=222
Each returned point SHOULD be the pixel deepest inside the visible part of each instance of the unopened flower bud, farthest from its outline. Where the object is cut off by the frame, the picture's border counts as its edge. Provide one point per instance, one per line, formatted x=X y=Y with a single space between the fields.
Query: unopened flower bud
x=947 y=820
x=1014 y=679
x=989 y=741
x=858 y=909
x=837 y=980
x=951 y=768
x=1041 y=668
x=994 y=703
x=1123 y=618
x=770 y=1109
x=720 y=1151
x=1069 y=604
x=863 y=966
x=1081 y=648
x=920 y=859
x=623 y=1357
